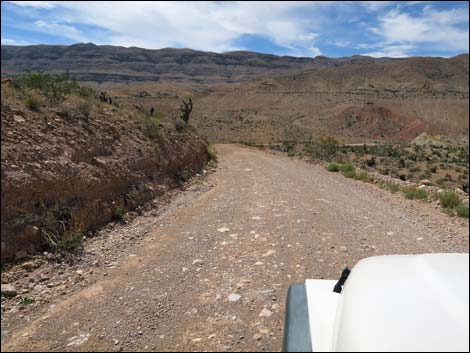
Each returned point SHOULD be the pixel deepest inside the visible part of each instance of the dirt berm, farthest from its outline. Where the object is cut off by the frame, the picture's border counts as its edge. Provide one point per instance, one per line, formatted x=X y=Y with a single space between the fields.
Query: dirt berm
x=63 y=173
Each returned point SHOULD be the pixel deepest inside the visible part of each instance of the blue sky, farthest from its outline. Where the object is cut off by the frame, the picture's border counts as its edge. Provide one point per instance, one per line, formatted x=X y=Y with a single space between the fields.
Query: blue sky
x=297 y=28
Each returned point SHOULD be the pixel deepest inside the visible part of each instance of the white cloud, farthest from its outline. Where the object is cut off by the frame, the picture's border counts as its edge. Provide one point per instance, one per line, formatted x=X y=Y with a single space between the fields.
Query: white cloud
x=64 y=29
x=295 y=26
x=205 y=25
x=433 y=27
x=315 y=51
x=35 y=4
x=364 y=46
x=342 y=43
x=392 y=51
x=308 y=36
x=376 y=5
x=11 y=41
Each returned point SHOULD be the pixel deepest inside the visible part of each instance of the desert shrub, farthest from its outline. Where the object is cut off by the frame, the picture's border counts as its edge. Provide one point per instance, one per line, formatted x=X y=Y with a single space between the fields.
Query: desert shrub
x=349 y=173
x=333 y=167
x=86 y=92
x=185 y=110
x=71 y=240
x=55 y=87
x=151 y=125
x=412 y=192
x=34 y=102
x=26 y=301
x=8 y=95
x=449 y=199
x=362 y=176
x=325 y=149
x=85 y=107
x=212 y=153
x=291 y=153
x=462 y=210
x=118 y=213
x=392 y=187
x=65 y=112
x=348 y=167
x=329 y=147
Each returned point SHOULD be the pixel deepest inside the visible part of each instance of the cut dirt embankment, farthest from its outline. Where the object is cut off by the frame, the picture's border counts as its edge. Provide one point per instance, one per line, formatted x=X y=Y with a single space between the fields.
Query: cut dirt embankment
x=63 y=173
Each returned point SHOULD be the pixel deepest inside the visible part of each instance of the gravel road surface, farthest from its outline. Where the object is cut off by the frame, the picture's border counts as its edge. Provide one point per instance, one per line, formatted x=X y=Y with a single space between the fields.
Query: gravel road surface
x=211 y=272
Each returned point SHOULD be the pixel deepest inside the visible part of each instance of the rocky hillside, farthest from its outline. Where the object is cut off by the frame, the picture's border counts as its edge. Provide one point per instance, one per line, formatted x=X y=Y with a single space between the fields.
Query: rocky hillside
x=72 y=166
x=89 y=62
x=360 y=102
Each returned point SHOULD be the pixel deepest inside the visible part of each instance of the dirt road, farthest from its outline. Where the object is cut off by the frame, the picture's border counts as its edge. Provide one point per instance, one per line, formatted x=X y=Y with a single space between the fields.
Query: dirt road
x=213 y=272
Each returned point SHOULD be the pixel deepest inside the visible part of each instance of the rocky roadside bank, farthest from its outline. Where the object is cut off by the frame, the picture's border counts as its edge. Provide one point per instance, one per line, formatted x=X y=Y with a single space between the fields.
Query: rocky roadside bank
x=35 y=284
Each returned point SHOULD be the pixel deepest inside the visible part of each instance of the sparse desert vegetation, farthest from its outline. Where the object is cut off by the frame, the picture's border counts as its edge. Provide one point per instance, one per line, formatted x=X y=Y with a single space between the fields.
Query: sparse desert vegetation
x=87 y=159
x=177 y=198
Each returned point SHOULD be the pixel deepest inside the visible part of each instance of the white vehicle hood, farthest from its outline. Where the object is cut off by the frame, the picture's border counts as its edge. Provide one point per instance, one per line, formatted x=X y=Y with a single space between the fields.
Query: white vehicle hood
x=394 y=303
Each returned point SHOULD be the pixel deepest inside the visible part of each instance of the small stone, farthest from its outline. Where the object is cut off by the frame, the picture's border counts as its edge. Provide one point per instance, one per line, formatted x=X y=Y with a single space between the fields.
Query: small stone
x=18 y=119
x=270 y=252
x=265 y=313
x=8 y=290
x=21 y=254
x=197 y=261
x=234 y=297
x=28 y=266
x=257 y=337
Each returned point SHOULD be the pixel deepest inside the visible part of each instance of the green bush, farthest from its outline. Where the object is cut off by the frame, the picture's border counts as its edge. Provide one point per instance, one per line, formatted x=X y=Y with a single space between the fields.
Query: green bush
x=325 y=149
x=151 y=125
x=462 y=210
x=26 y=301
x=362 y=176
x=118 y=213
x=412 y=192
x=349 y=173
x=392 y=187
x=449 y=199
x=346 y=168
x=34 y=102
x=212 y=153
x=55 y=87
x=71 y=240
x=333 y=167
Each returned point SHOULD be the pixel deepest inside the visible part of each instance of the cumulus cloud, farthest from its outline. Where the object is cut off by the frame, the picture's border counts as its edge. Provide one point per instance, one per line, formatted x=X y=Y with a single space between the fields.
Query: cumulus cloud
x=392 y=51
x=35 y=4
x=294 y=28
x=212 y=26
x=433 y=27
